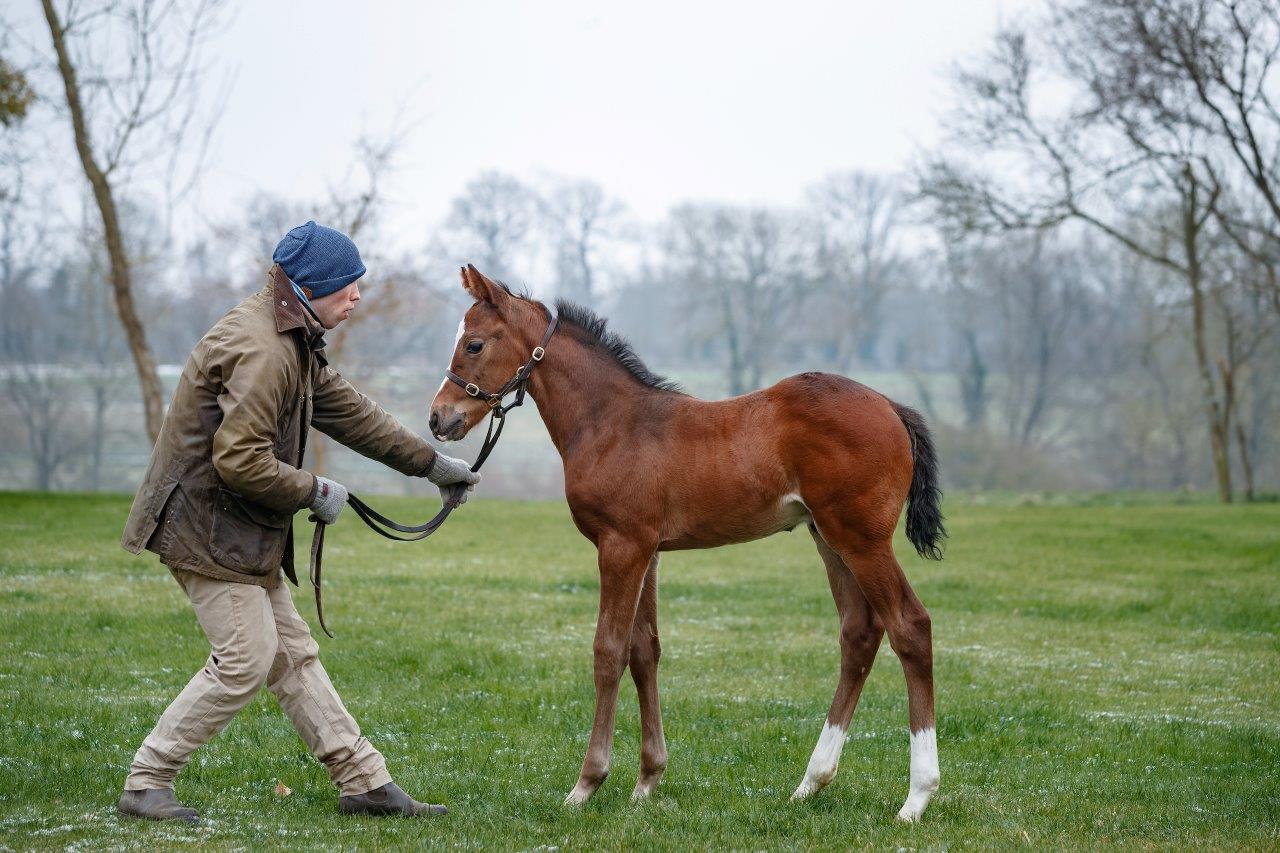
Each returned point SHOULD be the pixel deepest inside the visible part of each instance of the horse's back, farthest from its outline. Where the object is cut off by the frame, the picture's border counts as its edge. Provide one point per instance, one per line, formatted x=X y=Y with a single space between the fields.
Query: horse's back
x=840 y=407
x=808 y=429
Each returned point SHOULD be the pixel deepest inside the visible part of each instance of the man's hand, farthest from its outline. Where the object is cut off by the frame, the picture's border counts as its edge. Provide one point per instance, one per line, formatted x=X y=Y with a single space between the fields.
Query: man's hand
x=328 y=500
x=445 y=471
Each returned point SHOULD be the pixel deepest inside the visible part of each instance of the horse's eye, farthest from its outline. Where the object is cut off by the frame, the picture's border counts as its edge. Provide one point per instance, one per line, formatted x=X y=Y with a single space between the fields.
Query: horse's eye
x=475 y=347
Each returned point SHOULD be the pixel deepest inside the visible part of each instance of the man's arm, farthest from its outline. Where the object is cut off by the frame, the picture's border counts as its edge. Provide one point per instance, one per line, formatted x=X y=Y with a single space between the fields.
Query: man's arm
x=255 y=381
x=344 y=414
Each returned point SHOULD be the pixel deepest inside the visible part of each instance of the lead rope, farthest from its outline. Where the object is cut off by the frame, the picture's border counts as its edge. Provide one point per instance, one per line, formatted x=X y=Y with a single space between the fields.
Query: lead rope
x=381 y=524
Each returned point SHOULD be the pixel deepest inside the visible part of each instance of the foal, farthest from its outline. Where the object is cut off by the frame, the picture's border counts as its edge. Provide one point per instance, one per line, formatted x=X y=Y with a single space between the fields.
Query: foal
x=649 y=469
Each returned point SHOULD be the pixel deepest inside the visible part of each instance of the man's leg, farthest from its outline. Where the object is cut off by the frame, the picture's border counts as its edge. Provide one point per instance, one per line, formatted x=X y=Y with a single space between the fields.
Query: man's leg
x=237 y=620
x=300 y=684
x=308 y=697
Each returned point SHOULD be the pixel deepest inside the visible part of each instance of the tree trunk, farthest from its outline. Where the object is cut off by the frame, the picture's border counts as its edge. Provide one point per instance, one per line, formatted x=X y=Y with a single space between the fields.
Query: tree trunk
x=1219 y=425
x=121 y=274
x=973 y=383
x=100 y=403
x=736 y=381
x=1246 y=464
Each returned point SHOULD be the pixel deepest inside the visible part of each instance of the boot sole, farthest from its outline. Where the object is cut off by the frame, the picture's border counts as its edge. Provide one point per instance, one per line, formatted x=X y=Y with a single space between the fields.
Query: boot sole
x=192 y=819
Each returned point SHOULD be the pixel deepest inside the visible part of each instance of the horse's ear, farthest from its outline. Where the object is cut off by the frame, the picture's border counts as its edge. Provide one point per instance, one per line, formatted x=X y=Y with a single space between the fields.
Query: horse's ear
x=481 y=287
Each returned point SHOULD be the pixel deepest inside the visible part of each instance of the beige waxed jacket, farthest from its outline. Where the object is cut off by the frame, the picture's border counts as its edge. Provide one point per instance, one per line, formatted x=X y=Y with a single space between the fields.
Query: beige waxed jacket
x=225 y=476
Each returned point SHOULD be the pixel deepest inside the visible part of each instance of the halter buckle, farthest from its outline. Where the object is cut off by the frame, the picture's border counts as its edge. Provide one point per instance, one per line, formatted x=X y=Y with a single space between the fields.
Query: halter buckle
x=493 y=400
x=538 y=353
x=473 y=389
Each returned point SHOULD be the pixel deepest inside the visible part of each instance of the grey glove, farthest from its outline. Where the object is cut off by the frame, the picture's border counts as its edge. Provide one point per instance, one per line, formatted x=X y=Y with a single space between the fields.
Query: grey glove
x=328 y=500
x=445 y=471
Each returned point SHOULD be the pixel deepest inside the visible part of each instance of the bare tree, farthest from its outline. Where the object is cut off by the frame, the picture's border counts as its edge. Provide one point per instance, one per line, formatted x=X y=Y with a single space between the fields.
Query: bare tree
x=1094 y=164
x=122 y=117
x=581 y=219
x=858 y=261
x=753 y=267
x=489 y=223
x=35 y=335
x=966 y=314
x=100 y=354
x=1203 y=66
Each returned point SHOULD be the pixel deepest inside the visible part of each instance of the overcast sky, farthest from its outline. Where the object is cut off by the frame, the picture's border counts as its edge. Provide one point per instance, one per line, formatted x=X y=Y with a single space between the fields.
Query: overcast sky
x=659 y=101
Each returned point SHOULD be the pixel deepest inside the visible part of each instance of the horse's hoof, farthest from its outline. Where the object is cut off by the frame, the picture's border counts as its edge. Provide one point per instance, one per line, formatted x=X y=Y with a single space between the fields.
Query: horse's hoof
x=805 y=790
x=922 y=791
x=642 y=791
x=813 y=783
x=577 y=797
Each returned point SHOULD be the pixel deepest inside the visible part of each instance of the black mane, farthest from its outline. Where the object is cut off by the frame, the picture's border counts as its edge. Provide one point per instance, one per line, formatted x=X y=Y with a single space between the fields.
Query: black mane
x=596 y=329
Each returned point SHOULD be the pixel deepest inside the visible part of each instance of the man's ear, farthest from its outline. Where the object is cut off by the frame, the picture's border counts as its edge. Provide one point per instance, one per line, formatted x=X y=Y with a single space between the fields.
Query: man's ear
x=482 y=288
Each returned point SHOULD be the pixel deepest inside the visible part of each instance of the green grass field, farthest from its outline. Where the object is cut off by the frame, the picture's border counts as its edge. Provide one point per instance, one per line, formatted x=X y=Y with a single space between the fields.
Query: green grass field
x=1106 y=676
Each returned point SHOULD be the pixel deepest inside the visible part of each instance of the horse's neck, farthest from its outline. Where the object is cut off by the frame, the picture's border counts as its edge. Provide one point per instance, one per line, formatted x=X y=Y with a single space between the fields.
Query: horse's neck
x=580 y=393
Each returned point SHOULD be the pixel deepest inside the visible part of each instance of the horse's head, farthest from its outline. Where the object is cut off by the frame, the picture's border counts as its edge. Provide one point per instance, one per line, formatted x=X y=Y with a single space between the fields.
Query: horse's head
x=495 y=338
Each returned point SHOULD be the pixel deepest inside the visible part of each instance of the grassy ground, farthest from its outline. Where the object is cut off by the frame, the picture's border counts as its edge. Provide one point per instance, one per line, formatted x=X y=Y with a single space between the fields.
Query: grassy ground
x=1106 y=677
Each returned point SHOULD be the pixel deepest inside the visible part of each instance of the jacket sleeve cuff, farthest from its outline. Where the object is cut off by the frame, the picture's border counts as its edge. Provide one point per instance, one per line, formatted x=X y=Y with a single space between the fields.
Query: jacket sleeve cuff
x=311 y=495
x=426 y=470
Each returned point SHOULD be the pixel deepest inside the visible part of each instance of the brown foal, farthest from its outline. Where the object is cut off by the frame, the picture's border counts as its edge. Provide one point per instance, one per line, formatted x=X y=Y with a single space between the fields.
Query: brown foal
x=649 y=469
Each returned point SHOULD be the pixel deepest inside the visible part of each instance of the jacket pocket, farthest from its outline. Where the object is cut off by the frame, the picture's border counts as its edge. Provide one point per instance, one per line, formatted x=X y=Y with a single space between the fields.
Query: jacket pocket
x=145 y=516
x=245 y=536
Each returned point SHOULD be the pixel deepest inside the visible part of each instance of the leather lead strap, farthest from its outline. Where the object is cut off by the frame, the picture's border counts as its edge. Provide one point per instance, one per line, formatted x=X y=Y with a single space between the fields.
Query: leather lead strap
x=381 y=524
x=317 y=561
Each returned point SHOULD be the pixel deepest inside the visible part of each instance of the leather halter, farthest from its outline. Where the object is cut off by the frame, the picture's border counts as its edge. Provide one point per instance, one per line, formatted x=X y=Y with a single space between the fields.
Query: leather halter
x=516 y=383
x=381 y=524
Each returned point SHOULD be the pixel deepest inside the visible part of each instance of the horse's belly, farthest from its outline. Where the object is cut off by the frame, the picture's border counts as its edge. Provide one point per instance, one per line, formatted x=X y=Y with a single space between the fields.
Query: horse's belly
x=729 y=525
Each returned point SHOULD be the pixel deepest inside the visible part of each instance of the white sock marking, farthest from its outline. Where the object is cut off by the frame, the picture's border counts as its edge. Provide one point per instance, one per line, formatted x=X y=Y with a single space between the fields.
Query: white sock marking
x=823 y=762
x=924 y=774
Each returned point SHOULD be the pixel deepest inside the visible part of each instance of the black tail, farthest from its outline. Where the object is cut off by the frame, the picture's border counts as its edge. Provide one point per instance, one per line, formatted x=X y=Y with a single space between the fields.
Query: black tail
x=924 y=513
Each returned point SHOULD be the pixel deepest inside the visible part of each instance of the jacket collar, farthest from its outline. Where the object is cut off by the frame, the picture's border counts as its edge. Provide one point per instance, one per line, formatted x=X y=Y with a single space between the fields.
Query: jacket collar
x=290 y=313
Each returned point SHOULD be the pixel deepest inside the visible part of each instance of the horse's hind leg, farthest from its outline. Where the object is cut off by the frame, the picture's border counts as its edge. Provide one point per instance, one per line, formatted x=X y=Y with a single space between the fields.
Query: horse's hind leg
x=910 y=632
x=860 y=633
x=645 y=652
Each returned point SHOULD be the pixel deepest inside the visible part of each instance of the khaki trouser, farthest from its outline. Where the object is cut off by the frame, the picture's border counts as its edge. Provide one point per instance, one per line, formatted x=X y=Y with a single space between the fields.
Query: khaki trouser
x=257 y=638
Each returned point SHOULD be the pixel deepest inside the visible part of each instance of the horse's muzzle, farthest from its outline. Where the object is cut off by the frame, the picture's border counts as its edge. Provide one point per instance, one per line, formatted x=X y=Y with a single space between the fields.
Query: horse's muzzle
x=451 y=427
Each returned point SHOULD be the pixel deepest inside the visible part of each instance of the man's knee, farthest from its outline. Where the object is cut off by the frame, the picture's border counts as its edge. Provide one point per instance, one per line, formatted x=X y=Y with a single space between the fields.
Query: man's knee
x=244 y=670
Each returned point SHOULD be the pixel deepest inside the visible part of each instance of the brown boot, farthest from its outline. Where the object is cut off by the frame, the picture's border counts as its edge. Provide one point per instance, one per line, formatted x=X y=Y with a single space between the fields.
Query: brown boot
x=156 y=804
x=387 y=800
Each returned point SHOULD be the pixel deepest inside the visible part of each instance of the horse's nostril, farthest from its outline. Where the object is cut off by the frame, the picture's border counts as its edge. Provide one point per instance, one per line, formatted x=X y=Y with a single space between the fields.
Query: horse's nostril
x=435 y=422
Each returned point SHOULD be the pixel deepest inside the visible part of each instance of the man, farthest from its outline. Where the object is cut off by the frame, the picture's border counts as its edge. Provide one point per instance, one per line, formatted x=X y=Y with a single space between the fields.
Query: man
x=217 y=505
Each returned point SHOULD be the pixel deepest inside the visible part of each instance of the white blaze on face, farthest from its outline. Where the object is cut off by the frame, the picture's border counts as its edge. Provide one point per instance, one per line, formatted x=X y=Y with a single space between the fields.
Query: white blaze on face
x=823 y=762
x=462 y=328
x=924 y=774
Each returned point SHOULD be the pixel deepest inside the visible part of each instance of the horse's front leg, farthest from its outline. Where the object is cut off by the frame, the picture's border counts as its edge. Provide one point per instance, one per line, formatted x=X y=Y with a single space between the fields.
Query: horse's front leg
x=645 y=653
x=623 y=565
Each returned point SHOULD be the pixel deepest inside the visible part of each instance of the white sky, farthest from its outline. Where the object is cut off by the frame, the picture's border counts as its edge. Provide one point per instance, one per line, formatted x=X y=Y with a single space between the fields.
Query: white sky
x=658 y=101
x=661 y=102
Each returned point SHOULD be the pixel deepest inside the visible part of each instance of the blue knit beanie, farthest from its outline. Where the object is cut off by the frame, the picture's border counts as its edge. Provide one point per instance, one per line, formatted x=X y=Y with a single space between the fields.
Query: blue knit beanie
x=318 y=258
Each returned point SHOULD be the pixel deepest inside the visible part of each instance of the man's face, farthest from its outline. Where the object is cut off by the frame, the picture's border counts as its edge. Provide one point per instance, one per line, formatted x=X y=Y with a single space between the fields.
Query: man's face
x=337 y=306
